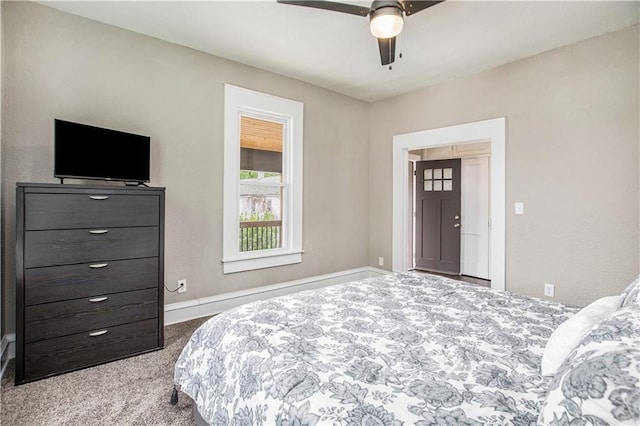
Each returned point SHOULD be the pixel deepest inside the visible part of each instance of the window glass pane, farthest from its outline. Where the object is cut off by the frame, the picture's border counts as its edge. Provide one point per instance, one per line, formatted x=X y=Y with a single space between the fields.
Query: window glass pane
x=260 y=217
x=437 y=185
x=428 y=174
x=437 y=173
x=448 y=173
x=428 y=185
x=260 y=134
x=261 y=189
x=448 y=186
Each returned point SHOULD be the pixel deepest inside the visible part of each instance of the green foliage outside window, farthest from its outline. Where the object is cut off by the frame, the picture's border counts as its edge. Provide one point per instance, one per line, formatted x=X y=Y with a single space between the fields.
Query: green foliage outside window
x=251 y=174
x=256 y=217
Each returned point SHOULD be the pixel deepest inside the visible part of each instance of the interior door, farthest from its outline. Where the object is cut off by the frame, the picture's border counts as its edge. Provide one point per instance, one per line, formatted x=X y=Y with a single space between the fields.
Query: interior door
x=438 y=216
x=475 y=231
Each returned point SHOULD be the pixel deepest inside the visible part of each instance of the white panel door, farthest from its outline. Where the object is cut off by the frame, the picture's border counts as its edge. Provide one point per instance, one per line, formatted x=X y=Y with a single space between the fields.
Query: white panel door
x=475 y=218
x=410 y=213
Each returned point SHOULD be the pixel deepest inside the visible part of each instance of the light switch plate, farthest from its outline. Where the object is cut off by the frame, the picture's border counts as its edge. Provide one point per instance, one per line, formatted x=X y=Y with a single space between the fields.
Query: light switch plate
x=519 y=207
x=549 y=290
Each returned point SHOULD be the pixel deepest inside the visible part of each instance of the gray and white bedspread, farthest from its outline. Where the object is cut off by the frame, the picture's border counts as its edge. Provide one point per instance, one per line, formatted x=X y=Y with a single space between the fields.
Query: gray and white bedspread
x=399 y=349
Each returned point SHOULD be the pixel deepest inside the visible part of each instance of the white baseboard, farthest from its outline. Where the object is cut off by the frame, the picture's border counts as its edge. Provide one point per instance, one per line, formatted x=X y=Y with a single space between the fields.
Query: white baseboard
x=7 y=351
x=206 y=306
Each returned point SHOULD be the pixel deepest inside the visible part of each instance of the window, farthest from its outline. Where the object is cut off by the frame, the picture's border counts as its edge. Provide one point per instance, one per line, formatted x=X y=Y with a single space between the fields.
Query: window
x=262 y=180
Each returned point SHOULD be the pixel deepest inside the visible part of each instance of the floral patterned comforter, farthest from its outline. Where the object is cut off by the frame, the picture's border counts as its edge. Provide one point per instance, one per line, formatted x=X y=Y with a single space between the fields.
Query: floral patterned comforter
x=406 y=348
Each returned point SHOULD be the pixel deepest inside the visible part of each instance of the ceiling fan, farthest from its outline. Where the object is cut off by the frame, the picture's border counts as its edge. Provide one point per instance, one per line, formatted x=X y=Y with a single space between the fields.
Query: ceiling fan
x=385 y=18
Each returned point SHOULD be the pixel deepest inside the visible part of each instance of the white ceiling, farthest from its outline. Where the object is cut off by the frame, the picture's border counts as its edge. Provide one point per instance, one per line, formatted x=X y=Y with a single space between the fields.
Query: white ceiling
x=336 y=50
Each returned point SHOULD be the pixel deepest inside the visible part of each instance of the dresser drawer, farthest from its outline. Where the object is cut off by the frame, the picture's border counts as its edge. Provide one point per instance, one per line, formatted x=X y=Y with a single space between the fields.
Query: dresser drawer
x=72 y=211
x=54 y=283
x=75 y=351
x=48 y=248
x=74 y=316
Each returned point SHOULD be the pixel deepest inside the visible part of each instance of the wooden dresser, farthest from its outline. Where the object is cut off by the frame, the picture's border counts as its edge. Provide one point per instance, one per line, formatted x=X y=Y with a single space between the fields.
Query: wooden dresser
x=89 y=276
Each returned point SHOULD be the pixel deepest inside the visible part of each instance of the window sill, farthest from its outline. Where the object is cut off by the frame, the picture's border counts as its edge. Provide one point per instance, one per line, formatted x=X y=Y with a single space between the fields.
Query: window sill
x=260 y=260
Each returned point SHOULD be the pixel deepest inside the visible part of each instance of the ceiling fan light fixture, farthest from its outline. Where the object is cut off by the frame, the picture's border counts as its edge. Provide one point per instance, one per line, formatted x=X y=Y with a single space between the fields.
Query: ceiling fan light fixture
x=386 y=22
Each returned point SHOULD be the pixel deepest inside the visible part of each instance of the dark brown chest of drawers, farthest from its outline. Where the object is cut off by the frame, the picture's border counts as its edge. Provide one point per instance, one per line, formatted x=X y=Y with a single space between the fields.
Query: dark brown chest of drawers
x=89 y=276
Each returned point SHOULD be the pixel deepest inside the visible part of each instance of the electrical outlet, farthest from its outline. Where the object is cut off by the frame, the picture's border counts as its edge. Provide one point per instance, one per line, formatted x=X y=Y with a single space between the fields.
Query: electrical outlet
x=381 y=261
x=182 y=286
x=549 y=290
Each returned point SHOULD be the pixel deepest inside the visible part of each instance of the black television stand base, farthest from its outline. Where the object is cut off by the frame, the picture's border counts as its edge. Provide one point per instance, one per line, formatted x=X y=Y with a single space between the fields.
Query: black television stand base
x=125 y=183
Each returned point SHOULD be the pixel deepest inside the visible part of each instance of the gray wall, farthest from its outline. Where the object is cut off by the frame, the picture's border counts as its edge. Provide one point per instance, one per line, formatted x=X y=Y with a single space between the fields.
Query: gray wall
x=572 y=157
x=62 y=66
x=572 y=150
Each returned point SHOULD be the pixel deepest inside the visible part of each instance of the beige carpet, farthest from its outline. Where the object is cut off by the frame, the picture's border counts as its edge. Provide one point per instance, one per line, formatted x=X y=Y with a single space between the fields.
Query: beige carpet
x=132 y=391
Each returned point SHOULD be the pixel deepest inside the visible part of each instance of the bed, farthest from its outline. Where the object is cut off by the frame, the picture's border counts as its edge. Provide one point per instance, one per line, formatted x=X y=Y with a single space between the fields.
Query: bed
x=406 y=348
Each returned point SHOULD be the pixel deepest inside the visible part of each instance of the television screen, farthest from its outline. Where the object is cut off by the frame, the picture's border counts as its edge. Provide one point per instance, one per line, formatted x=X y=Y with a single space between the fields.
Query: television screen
x=88 y=152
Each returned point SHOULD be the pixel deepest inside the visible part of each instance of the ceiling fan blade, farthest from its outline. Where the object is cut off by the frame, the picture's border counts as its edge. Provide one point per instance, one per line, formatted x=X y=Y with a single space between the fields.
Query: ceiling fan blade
x=415 y=6
x=387 y=50
x=330 y=5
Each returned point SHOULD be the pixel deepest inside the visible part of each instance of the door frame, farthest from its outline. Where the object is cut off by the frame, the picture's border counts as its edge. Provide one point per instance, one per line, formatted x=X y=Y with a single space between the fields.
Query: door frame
x=493 y=130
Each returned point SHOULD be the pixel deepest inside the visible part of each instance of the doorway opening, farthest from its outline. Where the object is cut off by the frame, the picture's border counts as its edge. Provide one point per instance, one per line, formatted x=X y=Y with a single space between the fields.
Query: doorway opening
x=494 y=131
x=449 y=198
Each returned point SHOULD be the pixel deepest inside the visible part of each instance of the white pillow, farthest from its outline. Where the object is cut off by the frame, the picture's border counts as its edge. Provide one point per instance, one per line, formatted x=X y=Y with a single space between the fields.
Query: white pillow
x=567 y=336
x=632 y=293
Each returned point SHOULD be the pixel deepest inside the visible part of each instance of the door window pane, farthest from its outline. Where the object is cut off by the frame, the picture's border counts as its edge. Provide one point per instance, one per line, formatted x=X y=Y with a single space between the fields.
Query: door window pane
x=437 y=185
x=428 y=174
x=428 y=185
x=448 y=186
x=437 y=173
x=448 y=173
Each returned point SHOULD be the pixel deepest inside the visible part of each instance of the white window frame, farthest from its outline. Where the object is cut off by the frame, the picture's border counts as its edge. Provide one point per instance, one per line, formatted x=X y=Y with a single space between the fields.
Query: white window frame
x=244 y=102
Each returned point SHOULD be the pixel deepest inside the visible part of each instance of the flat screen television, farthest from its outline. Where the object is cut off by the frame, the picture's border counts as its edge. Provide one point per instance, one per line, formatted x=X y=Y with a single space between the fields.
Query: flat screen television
x=88 y=152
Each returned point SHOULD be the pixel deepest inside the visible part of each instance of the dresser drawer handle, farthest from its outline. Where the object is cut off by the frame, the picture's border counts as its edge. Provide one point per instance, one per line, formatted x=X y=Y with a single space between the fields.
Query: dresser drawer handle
x=98 y=299
x=99 y=231
x=98 y=333
x=99 y=197
x=98 y=265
